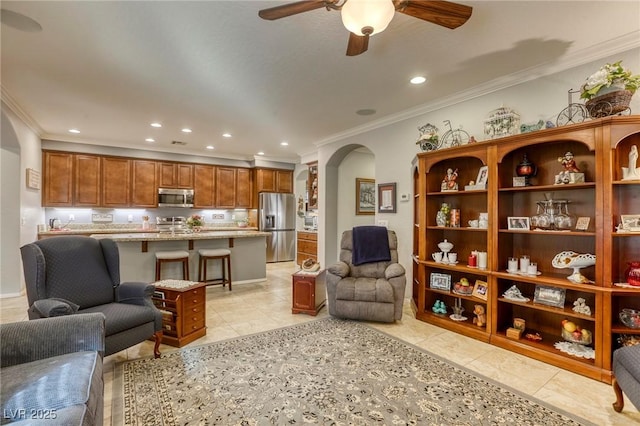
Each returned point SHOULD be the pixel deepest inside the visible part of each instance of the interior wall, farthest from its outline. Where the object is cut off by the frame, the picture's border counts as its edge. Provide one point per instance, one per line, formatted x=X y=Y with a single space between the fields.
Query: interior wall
x=21 y=206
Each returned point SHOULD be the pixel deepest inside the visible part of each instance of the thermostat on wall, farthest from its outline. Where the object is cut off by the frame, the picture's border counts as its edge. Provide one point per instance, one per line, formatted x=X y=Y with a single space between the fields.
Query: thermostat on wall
x=405 y=197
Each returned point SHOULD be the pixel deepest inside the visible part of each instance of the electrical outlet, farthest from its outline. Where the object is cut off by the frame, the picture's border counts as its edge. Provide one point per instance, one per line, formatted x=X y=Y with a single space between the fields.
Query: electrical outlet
x=217 y=216
x=383 y=222
x=130 y=218
x=72 y=217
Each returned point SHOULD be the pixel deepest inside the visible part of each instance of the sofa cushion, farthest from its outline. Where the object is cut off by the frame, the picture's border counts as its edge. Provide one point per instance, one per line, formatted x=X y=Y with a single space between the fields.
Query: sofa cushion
x=365 y=290
x=51 y=385
x=123 y=316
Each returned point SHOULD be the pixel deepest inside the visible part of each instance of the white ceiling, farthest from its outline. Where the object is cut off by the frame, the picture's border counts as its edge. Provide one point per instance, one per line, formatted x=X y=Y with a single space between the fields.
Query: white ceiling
x=111 y=68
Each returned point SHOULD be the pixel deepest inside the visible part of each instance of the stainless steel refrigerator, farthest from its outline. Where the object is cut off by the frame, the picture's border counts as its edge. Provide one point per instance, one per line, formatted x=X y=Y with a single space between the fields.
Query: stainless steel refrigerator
x=277 y=215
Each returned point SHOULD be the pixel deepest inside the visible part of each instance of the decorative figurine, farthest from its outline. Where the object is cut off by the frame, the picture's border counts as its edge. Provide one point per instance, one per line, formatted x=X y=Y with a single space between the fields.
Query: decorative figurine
x=481 y=319
x=449 y=182
x=513 y=293
x=632 y=172
x=571 y=172
x=428 y=140
x=581 y=307
x=439 y=307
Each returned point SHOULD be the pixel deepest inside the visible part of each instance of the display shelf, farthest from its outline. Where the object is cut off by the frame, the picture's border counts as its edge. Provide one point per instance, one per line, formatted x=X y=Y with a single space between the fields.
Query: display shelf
x=601 y=149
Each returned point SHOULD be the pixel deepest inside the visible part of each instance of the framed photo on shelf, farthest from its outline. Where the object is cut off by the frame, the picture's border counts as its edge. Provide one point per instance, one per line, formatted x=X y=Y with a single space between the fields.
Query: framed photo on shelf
x=518 y=223
x=550 y=296
x=480 y=290
x=387 y=198
x=365 y=196
x=630 y=222
x=440 y=281
x=582 y=224
x=483 y=174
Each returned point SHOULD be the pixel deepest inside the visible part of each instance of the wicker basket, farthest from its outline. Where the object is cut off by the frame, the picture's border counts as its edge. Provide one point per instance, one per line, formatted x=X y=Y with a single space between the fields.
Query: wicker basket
x=609 y=104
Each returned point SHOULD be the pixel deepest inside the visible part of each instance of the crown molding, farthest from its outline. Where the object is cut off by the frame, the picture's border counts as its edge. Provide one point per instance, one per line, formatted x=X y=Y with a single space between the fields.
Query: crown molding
x=591 y=54
x=15 y=107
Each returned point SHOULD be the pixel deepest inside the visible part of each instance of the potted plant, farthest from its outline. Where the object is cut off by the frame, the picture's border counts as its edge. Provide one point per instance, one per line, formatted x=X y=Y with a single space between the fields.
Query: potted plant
x=613 y=76
x=195 y=222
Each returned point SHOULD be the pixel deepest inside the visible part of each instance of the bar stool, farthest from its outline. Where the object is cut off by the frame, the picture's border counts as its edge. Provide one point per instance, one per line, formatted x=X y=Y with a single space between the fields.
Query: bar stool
x=173 y=256
x=212 y=254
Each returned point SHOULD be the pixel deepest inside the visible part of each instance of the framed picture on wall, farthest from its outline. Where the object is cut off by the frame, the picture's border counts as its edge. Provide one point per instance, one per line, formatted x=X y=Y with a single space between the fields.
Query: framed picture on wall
x=387 y=198
x=365 y=196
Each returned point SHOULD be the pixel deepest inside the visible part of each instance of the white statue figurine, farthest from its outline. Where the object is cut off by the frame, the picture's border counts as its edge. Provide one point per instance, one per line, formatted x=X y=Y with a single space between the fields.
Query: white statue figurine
x=632 y=172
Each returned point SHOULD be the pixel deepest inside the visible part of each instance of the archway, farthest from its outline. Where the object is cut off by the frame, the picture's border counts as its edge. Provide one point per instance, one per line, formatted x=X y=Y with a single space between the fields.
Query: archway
x=342 y=168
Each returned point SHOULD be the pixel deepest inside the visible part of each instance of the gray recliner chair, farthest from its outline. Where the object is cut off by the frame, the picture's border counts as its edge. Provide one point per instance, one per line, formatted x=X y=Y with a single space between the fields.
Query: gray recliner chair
x=626 y=376
x=75 y=274
x=372 y=291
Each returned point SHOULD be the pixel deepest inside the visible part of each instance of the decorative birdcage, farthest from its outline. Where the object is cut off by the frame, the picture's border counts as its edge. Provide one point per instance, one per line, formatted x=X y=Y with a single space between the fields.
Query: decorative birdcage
x=502 y=122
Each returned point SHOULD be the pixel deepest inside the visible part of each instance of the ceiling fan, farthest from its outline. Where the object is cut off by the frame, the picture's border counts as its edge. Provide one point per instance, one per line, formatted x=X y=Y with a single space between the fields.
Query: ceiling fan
x=364 y=18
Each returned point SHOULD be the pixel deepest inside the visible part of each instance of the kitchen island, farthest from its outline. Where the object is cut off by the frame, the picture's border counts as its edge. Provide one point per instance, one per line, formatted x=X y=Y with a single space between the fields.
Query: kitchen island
x=137 y=253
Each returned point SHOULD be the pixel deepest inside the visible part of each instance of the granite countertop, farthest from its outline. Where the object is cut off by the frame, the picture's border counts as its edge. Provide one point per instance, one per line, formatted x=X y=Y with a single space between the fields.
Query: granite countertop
x=167 y=236
x=134 y=230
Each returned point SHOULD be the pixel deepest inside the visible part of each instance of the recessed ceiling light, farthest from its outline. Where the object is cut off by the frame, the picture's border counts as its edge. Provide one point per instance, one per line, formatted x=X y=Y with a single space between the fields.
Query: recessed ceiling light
x=186 y=130
x=74 y=131
x=366 y=111
x=156 y=125
x=149 y=140
x=261 y=153
x=284 y=143
x=226 y=135
x=209 y=146
x=418 y=80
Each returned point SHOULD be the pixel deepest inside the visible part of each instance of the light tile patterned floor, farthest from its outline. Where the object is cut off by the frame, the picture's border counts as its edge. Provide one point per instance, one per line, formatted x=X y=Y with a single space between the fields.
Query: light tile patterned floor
x=251 y=308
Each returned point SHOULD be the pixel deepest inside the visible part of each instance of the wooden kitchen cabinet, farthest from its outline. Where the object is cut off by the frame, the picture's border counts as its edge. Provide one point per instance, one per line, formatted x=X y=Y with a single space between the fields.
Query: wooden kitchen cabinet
x=307 y=246
x=243 y=188
x=274 y=180
x=309 y=292
x=57 y=179
x=183 y=313
x=144 y=186
x=116 y=181
x=204 y=186
x=175 y=175
x=225 y=187
x=87 y=178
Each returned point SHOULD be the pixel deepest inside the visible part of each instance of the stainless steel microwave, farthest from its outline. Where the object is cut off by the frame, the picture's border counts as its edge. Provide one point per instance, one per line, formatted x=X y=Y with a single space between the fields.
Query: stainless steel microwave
x=169 y=197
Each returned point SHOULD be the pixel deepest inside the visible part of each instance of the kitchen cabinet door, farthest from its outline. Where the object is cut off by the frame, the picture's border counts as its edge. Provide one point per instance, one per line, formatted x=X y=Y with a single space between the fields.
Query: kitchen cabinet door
x=116 y=181
x=184 y=176
x=265 y=180
x=144 y=188
x=226 y=187
x=243 y=188
x=57 y=179
x=284 y=181
x=204 y=186
x=175 y=175
x=87 y=180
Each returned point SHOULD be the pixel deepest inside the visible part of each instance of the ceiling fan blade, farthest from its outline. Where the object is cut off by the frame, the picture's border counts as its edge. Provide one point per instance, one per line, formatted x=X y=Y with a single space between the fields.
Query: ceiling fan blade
x=357 y=44
x=293 y=9
x=444 y=13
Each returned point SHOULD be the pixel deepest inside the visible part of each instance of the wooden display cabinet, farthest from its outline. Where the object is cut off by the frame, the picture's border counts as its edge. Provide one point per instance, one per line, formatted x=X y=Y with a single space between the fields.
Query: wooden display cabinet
x=600 y=148
x=309 y=292
x=183 y=313
x=307 y=246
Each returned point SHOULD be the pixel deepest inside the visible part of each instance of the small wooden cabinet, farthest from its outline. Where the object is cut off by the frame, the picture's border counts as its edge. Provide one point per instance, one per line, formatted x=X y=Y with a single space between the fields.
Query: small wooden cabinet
x=86 y=180
x=307 y=246
x=204 y=186
x=144 y=188
x=309 y=292
x=274 y=180
x=57 y=179
x=183 y=313
x=116 y=181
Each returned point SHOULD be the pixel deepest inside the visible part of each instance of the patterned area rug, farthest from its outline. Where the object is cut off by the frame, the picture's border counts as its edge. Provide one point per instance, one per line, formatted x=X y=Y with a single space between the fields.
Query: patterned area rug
x=327 y=371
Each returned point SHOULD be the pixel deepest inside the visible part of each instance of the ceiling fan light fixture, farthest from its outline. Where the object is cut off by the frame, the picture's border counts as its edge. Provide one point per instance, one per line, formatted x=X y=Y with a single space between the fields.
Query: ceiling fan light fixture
x=358 y=16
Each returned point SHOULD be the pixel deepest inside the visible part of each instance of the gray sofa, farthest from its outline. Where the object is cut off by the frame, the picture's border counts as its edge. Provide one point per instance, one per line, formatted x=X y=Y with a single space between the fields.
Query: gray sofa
x=371 y=291
x=52 y=371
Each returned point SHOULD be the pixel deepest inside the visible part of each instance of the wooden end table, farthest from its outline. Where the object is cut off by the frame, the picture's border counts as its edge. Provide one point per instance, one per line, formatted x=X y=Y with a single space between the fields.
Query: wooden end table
x=309 y=292
x=183 y=312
